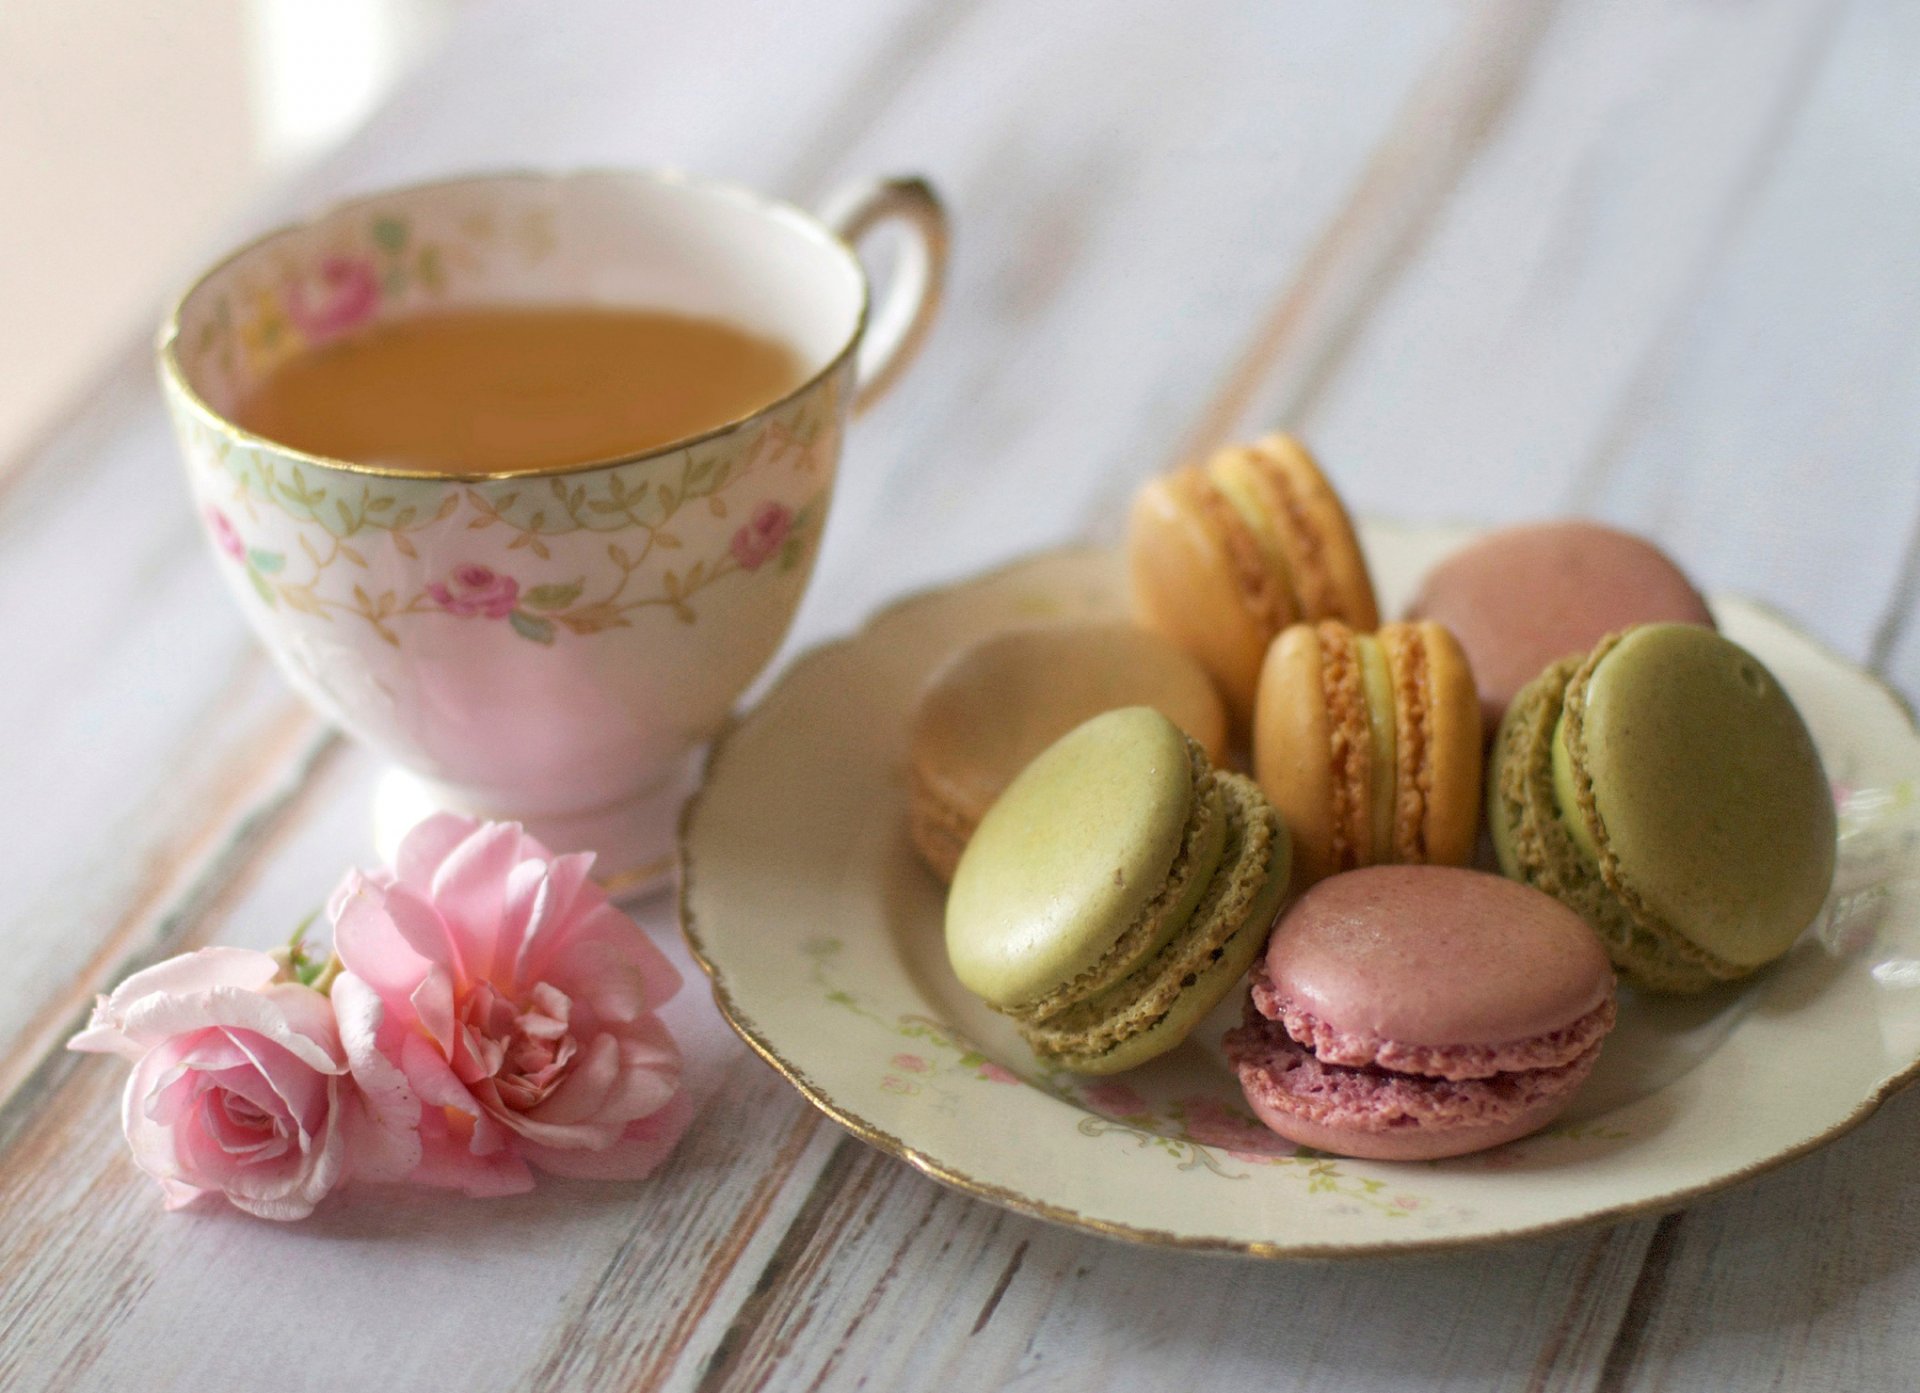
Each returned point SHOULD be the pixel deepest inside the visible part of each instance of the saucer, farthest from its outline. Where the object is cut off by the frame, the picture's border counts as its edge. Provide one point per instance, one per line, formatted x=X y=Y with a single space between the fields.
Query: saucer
x=802 y=898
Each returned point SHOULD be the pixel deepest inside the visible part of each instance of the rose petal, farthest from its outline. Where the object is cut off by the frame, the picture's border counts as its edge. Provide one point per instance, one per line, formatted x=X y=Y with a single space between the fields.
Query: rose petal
x=568 y=900
x=265 y=1013
x=469 y=890
x=199 y=971
x=635 y=1155
x=383 y=1121
x=369 y=944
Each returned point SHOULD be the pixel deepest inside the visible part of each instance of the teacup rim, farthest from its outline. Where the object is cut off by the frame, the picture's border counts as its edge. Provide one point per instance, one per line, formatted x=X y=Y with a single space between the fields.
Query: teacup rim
x=779 y=209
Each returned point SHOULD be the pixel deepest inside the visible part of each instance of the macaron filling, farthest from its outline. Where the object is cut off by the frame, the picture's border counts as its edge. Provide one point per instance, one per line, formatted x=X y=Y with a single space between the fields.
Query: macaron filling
x=1230 y=474
x=1566 y=795
x=1413 y=700
x=1299 y=535
x=1266 y=593
x=1377 y=679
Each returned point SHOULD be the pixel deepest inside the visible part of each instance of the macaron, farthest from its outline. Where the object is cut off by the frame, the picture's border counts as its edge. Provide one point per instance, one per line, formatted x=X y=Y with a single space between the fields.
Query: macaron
x=1665 y=786
x=994 y=706
x=1115 y=892
x=1405 y=1013
x=1369 y=746
x=1225 y=555
x=1523 y=597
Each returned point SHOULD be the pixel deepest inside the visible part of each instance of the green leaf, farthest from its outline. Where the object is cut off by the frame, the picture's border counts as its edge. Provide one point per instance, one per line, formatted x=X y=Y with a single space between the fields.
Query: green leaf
x=553 y=596
x=390 y=234
x=267 y=561
x=260 y=586
x=531 y=626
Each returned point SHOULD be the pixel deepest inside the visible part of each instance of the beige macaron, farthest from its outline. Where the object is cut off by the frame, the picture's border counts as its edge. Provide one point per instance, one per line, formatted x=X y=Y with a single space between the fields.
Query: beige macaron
x=992 y=707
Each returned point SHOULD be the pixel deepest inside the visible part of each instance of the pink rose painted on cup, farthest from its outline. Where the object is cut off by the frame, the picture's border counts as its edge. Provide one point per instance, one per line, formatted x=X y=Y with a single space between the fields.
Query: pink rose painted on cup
x=240 y=1085
x=343 y=292
x=998 y=1073
x=474 y=589
x=225 y=535
x=761 y=535
x=515 y=1007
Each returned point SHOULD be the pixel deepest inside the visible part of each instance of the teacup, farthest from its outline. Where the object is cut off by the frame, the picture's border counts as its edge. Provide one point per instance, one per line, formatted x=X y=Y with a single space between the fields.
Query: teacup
x=552 y=647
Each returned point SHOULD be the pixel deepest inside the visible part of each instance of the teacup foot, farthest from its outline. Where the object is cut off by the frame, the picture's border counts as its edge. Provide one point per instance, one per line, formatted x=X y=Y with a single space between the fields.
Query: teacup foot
x=633 y=841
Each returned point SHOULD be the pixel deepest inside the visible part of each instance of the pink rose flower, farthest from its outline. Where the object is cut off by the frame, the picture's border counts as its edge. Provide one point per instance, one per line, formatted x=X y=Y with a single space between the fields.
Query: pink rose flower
x=998 y=1073
x=491 y=989
x=1115 y=1100
x=475 y=589
x=761 y=535
x=349 y=294
x=912 y=1063
x=239 y=1085
x=224 y=535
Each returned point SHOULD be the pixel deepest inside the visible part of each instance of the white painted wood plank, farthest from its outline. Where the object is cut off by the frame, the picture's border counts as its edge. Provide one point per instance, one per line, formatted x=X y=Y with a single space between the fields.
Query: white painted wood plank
x=1774 y=445
x=1485 y=379
x=1807 y=1280
x=911 y=1286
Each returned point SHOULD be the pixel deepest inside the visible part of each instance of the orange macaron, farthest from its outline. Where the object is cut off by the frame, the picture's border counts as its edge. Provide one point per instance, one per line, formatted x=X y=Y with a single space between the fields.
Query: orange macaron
x=1226 y=554
x=1369 y=746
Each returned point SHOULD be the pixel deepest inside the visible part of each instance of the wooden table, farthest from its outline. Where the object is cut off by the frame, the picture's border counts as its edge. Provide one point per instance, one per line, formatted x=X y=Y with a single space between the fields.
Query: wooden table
x=1656 y=262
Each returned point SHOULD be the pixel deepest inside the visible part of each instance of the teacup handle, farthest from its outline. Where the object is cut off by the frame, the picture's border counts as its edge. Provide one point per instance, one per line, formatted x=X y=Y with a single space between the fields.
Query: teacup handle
x=906 y=307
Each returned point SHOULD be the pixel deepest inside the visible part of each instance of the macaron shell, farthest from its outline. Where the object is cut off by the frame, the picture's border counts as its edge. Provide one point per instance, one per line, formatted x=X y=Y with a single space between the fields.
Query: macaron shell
x=1440 y=744
x=1437 y=955
x=1709 y=803
x=1535 y=846
x=986 y=713
x=1329 y=568
x=1187 y=588
x=1292 y=737
x=1068 y=858
x=1524 y=597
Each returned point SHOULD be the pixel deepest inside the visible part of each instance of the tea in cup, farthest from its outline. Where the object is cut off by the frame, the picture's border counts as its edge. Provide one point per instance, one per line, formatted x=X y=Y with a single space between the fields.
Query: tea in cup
x=521 y=478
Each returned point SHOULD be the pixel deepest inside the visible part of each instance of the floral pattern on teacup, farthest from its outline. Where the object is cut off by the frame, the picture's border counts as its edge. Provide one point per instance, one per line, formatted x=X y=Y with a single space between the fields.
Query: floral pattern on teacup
x=614 y=543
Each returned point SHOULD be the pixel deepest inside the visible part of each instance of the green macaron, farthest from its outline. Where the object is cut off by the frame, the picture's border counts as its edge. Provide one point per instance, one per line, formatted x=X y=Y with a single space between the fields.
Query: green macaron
x=1115 y=892
x=1665 y=786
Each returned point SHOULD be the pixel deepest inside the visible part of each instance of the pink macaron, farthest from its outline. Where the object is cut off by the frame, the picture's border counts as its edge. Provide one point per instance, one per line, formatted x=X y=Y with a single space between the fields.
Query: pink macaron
x=1524 y=597
x=1405 y=1013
